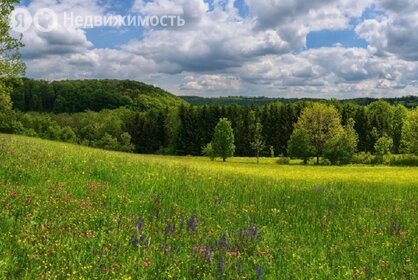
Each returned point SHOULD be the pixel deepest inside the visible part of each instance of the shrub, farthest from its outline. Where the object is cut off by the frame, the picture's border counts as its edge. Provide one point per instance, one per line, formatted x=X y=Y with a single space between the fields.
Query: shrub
x=209 y=151
x=383 y=146
x=283 y=160
x=363 y=158
x=403 y=160
x=67 y=135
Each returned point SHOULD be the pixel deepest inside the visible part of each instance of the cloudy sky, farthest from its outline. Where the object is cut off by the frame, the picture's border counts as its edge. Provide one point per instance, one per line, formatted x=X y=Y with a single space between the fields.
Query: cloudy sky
x=288 y=48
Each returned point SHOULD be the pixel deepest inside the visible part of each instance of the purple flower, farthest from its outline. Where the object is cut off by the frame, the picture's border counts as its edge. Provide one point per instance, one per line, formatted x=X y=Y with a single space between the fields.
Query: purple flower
x=223 y=243
x=192 y=223
x=251 y=232
x=169 y=229
x=259 y=273
x=139 y=224
x=134 y=241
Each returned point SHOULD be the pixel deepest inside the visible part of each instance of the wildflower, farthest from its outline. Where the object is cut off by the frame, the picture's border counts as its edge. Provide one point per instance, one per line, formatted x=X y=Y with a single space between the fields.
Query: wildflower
x=192 y=223
x=251 y=232
x=89 y=233
x=169 y=229
x=259 y=273
x=147 y=262
x=223 y=243
x=134 y=241
x=139 y=224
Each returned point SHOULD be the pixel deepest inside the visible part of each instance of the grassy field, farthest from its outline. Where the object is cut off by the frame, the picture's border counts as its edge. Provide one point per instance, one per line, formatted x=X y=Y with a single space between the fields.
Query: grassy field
x=74 y=212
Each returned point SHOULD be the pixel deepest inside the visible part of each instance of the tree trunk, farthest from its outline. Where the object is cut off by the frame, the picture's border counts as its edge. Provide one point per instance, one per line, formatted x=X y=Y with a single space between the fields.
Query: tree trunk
x=317 y=159
x=224 y=159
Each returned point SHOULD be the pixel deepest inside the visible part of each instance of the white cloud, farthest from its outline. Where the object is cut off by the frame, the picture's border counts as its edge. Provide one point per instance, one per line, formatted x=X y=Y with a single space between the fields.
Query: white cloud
x=218 y=52
x=211 y=83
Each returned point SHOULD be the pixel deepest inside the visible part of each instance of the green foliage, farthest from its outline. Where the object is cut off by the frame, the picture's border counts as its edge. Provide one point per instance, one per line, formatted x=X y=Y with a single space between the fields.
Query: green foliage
x=340 y=148
x=410 y=133
x=95 y=95
x=283 y=160
x=399 y=116
x=408 y=101
x=300 y=146
x=10 y=63
x=67 y=135
x=257 y=143
x=321 y=122
x=107 y=142
x=403 y=160
x=363 y=158
x=223 y=139
x=380 y=119
x=209 y=151
x=125 y=143
x=383 y=146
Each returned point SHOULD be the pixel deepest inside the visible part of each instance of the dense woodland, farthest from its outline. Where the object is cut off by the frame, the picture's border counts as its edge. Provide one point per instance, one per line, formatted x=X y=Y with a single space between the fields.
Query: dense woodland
x=134 y=117
x=81 y=95
x=408 y=101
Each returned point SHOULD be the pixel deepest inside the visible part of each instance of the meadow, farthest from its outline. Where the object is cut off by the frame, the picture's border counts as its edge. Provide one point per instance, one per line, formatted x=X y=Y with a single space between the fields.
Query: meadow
x=68 y=211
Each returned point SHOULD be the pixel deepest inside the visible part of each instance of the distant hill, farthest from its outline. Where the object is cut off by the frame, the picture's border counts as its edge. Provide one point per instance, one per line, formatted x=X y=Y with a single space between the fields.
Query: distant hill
x=409 y=101
x=72 y=96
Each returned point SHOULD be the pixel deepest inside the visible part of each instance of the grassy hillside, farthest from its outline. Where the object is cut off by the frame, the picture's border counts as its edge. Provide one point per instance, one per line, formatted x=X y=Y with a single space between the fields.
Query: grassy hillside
x=74 y=212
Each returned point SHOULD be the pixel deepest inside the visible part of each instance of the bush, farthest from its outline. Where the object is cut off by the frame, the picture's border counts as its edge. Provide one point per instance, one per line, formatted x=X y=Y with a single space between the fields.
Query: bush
x=363 y=158
x=125 y=143
x=67 y=135
x=209 y=151
x=383 y=146
x=283 y=160
x=402 y=160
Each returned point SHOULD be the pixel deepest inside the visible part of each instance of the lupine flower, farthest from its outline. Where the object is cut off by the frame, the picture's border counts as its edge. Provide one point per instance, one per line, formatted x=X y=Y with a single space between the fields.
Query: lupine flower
x=192 y=223
x=139 y=224
x=259 y=273
x=134 y=241
x=251 y=232
x=223 y=243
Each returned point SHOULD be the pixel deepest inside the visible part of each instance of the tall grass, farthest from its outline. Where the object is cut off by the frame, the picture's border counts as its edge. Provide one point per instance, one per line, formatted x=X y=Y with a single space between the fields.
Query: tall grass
x=73 y=212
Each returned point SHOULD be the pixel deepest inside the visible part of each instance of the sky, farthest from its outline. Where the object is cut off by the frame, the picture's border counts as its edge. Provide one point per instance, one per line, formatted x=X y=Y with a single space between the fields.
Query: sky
x=276 y=48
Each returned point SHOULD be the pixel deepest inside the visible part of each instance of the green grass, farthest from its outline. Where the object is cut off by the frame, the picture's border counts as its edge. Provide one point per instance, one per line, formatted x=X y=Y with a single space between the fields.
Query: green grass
x=72 y=212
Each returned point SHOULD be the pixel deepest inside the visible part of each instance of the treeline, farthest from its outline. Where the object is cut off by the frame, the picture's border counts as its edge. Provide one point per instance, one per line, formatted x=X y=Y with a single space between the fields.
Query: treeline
x=81 y=95
x=185 y=130
x=408 y=101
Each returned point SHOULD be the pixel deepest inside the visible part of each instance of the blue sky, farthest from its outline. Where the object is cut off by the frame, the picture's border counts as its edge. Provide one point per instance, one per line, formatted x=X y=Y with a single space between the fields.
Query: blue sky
x=293 y=48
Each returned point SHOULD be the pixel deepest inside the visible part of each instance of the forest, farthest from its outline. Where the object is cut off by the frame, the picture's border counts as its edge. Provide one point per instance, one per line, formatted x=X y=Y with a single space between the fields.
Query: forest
x=135 y=117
